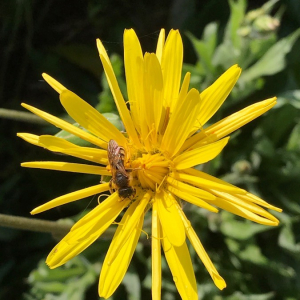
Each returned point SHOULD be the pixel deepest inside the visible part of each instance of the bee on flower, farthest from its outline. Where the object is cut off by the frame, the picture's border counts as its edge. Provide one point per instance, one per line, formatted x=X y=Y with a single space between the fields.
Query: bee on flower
x=162 y=145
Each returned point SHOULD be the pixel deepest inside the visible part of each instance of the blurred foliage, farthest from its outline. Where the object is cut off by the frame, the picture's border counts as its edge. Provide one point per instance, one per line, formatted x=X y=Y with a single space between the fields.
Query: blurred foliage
x=257 y=262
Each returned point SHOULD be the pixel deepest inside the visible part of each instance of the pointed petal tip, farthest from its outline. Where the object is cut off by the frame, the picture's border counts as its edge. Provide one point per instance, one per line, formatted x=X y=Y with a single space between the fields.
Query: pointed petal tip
x=34 y=211
x=214 y=209
x=99 y=44
x=45 y=75
x=219 y=282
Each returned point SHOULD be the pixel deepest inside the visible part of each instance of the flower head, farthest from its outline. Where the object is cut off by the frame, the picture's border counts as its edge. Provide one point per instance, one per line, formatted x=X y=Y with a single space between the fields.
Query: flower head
x=164 y=141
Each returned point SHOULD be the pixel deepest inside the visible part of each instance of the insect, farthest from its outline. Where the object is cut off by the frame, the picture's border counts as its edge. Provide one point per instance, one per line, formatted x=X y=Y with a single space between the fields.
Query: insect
x=120 y=178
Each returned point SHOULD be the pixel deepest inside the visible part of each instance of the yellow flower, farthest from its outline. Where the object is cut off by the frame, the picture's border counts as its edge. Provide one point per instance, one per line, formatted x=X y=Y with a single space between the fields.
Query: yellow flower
x=164 y=141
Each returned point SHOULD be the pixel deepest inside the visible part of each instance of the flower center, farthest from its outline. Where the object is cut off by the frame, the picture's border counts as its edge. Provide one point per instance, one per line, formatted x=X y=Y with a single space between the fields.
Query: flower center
x=150 y=170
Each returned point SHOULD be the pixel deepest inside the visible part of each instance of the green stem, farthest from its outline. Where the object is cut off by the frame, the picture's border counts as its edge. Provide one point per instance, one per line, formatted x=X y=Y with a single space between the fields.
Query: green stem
x=21 y=116
x=58 y=229
x=34 y=224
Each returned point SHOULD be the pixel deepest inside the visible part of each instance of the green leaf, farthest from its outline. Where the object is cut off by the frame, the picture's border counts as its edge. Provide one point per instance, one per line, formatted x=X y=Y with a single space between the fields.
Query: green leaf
x=69 y=282
x=133 y=285
x=237 y=14
x=205 y=48
x=289 y=97
x=273 y=60
x=115 y=120
x=240 y=230
x=226 y=55
x=294 y=139
x=73 y=138
x=287 y=239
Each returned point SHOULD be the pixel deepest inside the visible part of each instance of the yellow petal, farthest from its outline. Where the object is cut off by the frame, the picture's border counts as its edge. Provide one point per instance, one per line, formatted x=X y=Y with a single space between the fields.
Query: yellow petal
x=218 y=280
x=135 y=211
x=89 y=118
x=242 y=212
x=171 y=65
x=74 y=196
x=253 y=198
x=119 y=100
x=169 y=218
x=214 y=96
x=229 y=124
x=181 y=123
x=153 y=91
x=192 y=199
x=199 y=155
x=160 y=44
x=190 y=189
x=251 y=207
x=165 y=114
x=53 y=83
x=66 y=126
x=156 y=254
x=30 y=138
x=205 y=181
x=133 y=62
x=67 y=167
x=184 y=87
x=112 y=275
x=181 y=267
x=80 y=238
x=60 y=145
x=238 y=119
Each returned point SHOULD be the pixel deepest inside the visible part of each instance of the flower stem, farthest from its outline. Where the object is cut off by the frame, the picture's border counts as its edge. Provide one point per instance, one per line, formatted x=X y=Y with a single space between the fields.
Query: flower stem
x=34 y=224
x=58 y=229
x=21 y=116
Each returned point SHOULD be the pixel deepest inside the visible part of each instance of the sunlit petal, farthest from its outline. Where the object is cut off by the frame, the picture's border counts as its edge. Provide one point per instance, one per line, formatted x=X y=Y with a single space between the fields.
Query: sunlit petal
x=171 y=65
x=190 y=232
x=135 y=211
x=112 y=274
x=67 y=167
x=54 y=83
x=181 y=267
x=156 y=254
x=71 y=197
x=200 y=155
x=206 y=181
x=89 y=118
x=181 y=121
x=66 y=126
x=192 y=199
x=228 y=124
x=214 y=96
x=133 y=62
x=243 y=212
x=169 y=218
x=80 y=238
x=160 y=44
x=119 y=100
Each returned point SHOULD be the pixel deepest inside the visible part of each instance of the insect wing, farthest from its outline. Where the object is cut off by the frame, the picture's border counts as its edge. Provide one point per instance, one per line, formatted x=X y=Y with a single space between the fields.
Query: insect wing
x=115 y=158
